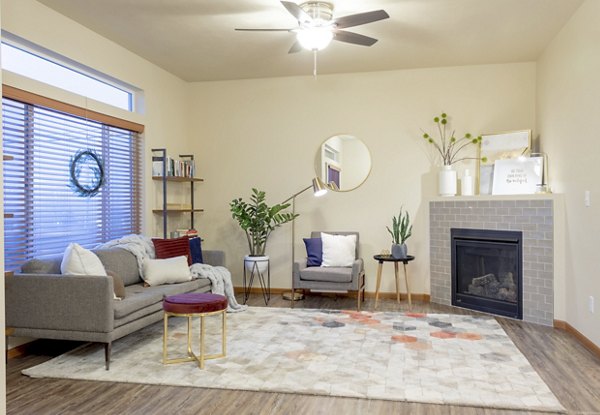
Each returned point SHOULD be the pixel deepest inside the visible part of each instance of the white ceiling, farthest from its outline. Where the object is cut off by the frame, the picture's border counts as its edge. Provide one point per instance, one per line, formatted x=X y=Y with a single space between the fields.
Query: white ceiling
x=195 y=40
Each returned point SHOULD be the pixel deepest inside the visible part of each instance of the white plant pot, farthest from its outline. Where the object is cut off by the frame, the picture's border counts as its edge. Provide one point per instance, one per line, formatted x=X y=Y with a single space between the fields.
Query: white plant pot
x=447 y=181
x=262 y=263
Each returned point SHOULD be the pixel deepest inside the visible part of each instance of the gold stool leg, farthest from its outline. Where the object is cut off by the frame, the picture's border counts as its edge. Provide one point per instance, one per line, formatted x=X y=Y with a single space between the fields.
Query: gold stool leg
x=202 y=341
x=165 y=335
x=224 y=334
x=189 y=337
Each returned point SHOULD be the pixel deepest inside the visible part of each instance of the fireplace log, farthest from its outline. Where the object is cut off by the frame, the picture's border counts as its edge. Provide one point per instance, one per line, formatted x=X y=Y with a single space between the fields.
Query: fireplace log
x=483 y=280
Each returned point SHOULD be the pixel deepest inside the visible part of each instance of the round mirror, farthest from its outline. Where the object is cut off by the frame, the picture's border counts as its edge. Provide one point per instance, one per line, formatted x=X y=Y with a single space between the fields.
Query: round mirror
x=343 y=162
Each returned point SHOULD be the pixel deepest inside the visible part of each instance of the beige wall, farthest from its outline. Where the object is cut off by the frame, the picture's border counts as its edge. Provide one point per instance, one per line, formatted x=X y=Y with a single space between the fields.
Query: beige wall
x=568 y=103
x=265 y=133
x=164 y=95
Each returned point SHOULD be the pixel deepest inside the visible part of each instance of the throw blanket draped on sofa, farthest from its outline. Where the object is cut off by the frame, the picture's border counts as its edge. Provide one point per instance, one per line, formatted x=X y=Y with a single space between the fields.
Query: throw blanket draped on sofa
x=220 y=279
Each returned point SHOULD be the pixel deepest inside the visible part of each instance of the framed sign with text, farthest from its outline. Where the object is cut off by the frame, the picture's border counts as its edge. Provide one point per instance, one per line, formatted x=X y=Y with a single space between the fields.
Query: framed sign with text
x=519 y=176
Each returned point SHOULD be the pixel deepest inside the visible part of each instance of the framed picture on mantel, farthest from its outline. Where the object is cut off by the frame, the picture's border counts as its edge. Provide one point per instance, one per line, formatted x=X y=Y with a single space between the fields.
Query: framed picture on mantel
x=500 y=146
x=520 y=176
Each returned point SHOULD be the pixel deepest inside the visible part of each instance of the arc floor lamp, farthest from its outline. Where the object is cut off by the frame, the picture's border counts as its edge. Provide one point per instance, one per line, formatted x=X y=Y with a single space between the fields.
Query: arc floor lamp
x=319 y=189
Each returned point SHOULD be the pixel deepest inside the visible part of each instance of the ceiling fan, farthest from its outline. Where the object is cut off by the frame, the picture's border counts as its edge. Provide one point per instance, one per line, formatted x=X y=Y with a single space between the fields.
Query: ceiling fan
x=317 y=27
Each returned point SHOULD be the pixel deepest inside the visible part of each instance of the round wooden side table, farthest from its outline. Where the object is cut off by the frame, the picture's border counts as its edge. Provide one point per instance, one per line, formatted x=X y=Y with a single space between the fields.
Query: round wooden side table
x=388 y=258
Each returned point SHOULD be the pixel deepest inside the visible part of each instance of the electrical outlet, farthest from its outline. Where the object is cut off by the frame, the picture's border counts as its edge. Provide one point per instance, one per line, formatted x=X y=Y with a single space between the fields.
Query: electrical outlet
x=591 y=303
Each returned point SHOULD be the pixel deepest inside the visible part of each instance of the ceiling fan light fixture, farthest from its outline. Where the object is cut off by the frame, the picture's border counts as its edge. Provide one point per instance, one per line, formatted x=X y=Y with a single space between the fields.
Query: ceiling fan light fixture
x=314 y=38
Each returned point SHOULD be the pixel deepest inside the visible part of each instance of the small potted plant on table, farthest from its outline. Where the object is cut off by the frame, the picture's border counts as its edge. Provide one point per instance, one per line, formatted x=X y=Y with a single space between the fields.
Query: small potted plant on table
x=401 y=231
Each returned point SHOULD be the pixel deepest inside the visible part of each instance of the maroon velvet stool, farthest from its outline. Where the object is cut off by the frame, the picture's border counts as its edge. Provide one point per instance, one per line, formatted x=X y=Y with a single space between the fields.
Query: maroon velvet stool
x=194 y=305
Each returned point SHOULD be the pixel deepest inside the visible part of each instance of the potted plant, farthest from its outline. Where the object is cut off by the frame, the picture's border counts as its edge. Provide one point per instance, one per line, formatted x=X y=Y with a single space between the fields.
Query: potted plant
x=450 y=149
x=258 y=220
x=401 y=231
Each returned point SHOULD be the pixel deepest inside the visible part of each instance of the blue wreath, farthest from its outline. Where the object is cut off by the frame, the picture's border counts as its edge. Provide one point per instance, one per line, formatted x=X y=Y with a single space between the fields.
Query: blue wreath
x=80 y=159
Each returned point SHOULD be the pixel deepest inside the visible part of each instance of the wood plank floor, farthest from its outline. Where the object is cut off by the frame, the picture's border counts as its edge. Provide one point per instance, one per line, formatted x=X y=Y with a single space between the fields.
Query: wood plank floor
x=570 y=370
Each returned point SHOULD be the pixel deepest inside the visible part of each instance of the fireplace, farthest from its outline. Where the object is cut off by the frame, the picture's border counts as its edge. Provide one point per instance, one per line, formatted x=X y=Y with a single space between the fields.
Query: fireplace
x=487 y=271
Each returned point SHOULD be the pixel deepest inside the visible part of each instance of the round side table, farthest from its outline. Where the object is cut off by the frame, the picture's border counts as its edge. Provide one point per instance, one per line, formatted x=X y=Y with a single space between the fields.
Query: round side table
x=388 y=258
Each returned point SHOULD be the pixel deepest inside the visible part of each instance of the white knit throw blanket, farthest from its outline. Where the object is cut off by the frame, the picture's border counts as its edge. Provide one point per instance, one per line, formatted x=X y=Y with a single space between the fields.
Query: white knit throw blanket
x=139 y=245
x=220 y=279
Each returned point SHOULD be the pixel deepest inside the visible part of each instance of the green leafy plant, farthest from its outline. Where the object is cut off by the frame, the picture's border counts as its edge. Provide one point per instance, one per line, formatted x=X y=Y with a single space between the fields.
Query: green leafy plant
x=448 y=145
x=401 y=228
x=258 y=219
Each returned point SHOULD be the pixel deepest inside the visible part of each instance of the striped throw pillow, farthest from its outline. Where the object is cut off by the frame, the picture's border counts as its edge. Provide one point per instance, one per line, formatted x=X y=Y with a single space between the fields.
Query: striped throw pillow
x=170 y=248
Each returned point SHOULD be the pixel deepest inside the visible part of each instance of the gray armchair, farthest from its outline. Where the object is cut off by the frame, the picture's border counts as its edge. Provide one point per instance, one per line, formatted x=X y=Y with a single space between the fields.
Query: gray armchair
x=331 y=279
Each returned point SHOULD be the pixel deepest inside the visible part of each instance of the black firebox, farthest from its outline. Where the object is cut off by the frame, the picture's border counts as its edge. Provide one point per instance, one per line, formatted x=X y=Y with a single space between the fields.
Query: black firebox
x=487 y=271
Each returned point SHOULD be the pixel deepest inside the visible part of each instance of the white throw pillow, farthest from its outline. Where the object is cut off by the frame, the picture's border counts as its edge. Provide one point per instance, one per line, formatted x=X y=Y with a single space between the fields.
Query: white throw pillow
x=338 y=250
x=80 y=261
x=166 y=271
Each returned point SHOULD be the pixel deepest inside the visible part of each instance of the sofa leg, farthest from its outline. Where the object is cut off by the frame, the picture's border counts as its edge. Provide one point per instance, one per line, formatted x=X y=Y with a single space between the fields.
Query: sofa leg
x=107 y=347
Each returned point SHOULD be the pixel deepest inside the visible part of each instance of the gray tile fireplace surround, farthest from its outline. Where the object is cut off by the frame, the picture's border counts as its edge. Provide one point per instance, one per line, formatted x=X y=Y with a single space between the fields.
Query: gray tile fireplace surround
x=535 y=218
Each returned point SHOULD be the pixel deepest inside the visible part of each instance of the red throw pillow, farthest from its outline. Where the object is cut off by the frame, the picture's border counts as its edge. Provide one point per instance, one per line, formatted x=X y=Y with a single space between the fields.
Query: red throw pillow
x=169 y=248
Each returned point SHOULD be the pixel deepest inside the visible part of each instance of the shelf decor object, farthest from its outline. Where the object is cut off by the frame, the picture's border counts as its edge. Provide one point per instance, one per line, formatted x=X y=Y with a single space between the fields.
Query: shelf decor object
x=451 y=150
x=167 y=170
x=499 y=146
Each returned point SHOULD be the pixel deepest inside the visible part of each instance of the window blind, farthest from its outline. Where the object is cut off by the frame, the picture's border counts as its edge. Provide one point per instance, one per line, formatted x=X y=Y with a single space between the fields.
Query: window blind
x=47 y=213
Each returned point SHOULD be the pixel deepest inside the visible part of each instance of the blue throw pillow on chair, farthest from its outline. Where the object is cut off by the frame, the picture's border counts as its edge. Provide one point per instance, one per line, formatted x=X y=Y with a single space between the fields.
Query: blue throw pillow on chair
x=314 y=252
x=196 y=250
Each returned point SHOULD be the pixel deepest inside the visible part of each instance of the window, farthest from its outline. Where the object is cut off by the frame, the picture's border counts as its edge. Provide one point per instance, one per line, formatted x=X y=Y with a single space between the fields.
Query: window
x=40 y=68
x=46 y=213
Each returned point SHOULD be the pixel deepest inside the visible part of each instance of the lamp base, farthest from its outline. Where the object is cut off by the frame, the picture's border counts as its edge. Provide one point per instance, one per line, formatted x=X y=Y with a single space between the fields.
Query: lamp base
x=293 y=296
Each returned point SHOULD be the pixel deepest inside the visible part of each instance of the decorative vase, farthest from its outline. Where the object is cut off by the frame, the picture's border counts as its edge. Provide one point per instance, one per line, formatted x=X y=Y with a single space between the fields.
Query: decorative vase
x=447 y=181
x=261 y=261
x=399 y=251
x=466 y=184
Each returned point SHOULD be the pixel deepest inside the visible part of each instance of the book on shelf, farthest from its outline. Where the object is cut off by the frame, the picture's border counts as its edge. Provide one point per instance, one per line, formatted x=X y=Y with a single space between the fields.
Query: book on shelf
x=191 y=233
x=174 y=168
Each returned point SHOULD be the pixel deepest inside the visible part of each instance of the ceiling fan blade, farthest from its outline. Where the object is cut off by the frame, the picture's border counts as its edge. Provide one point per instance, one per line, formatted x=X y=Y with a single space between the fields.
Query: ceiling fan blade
x=296 y=47
x=360 y=18
x=354 y=38
x=296 y=11
x=264 y=30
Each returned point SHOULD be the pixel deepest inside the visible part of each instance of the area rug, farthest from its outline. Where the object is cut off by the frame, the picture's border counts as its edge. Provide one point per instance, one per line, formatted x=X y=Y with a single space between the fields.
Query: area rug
x=430 y=358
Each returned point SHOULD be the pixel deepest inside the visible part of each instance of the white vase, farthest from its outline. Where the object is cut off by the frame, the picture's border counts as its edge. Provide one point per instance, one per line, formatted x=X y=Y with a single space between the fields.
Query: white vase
x=447 y=181
x=262 y=263
x=466 y=184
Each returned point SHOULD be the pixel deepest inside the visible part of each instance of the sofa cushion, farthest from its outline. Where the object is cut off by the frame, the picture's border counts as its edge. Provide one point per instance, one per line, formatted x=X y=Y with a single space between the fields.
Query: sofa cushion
x=121 y=262
x=138 y=297
x=49 y=265
x=170 y=248
x=327 y=274
x=80 y=261
x=166 y=271
x=314 y=251
x=338 y=250
x=196 y=250
x=118 y=284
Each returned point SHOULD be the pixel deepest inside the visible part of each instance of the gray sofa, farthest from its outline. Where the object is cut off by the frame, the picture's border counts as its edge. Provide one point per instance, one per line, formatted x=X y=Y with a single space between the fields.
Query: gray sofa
x=43 y=303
